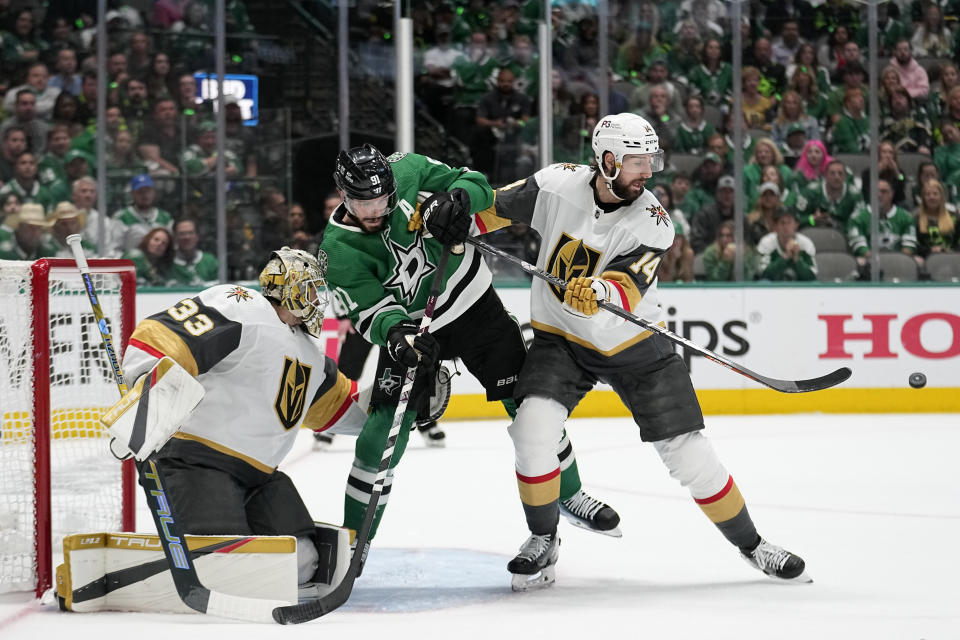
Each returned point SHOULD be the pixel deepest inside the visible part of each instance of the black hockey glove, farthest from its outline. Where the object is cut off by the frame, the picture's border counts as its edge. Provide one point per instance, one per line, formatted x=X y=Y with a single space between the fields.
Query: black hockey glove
x=447 y=216
x=410 y=349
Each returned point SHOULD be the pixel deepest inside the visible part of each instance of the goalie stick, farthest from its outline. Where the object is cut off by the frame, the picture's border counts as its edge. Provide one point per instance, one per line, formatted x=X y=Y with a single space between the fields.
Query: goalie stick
x=313 y=609
x=785 y=386
x=182 y=569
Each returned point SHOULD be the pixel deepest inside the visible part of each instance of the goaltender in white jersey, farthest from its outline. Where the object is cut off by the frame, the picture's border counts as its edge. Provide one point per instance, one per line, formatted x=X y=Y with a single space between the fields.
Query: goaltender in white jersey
x=262 y=379
x=265 y=376
x=605 y=235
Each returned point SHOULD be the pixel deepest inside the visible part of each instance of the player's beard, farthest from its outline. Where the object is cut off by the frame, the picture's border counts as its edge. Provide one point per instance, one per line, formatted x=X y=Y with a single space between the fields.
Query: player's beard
x=622 y=189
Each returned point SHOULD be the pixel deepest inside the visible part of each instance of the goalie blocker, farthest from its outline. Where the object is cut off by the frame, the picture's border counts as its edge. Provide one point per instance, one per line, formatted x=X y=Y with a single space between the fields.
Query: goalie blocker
x=152 y=411
x=128 y=571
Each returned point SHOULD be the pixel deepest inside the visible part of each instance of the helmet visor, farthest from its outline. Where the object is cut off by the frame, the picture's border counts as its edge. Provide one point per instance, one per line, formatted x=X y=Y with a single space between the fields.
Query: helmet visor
x=369 y=210
x=651 y=162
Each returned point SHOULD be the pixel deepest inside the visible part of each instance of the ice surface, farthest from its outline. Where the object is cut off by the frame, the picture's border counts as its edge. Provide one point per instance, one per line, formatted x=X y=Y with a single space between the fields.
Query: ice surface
x=871 y=502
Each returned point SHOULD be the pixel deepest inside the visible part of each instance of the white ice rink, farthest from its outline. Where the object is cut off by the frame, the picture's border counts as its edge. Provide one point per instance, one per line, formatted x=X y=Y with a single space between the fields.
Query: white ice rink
x=871 y=502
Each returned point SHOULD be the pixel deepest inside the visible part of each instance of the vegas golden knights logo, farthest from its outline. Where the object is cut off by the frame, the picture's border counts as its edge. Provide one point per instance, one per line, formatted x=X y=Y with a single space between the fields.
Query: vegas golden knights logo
x=292 y=394
x=571 y=259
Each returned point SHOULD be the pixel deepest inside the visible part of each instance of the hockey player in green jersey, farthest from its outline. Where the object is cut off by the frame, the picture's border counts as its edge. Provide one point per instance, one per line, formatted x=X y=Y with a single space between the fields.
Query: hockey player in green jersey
x=382 y=262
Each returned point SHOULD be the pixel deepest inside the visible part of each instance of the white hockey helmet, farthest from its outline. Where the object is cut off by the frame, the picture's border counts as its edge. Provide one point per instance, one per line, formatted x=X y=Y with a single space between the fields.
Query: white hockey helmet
x=626 y=134
x=297 y=282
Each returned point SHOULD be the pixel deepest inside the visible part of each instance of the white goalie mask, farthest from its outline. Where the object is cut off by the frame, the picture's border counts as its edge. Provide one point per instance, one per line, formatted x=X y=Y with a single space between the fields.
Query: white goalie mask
x=297 y=281
x=626 y=134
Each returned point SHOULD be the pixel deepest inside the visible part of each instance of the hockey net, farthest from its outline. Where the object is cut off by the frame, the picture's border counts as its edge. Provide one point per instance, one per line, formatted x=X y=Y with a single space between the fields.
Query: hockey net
x=57 y=475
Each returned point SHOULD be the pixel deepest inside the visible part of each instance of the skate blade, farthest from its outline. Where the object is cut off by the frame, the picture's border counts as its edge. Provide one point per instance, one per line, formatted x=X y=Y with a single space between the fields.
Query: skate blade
x=522 y=582
x=613 y=533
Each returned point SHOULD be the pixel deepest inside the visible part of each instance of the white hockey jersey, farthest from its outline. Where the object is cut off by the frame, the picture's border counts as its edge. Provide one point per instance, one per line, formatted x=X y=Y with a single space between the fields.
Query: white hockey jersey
x=623 y=245
x=263 y=379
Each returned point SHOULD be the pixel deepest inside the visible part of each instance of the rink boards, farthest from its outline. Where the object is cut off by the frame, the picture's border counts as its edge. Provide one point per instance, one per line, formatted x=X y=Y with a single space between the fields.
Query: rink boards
x=883 y=333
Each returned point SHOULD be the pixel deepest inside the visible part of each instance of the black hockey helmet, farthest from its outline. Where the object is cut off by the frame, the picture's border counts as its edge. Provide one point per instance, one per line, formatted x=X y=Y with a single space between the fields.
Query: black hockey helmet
x=364 y=174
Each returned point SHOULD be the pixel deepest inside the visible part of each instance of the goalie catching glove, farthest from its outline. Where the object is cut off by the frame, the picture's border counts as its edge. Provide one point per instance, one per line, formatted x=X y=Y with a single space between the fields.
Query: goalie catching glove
x=581 y=295
x=447 y=216
x=152 y=411
x=410 y=349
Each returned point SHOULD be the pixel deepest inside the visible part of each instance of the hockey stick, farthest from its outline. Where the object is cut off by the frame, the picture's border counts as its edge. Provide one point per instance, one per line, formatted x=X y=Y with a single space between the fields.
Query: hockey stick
x=182 y=569
x=785 y=386
x=313 y=609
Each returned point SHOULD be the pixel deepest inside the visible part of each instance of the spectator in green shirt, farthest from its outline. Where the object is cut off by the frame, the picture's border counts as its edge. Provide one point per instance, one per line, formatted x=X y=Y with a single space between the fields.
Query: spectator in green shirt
x=851 y=133
x=25 y=183
x=30 y=239
x=153 y=258
x=786 y=254
x=718 y=257
x=896 y=226
x=191 y=266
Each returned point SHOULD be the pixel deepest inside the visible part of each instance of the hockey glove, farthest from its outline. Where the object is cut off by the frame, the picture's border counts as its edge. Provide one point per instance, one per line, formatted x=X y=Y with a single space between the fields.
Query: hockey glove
x=582 y=294
x=410 y=349
x=447 y=216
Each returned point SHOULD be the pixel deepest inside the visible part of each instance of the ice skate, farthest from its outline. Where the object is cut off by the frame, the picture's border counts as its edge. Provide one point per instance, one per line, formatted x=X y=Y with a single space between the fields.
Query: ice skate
x=433 y=435
x=777 y=562
x=534 y=567
x=322 y=441
x=589 y=513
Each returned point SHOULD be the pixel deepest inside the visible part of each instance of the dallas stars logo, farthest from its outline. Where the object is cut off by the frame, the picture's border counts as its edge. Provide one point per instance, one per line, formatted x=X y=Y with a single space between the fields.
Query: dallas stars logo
x=659 y=214
x=238 y=294
x=411 y=268
x=388 y=382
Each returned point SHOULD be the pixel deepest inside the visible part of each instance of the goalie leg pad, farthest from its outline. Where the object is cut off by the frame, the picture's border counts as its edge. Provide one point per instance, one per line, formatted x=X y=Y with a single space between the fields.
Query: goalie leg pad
x=129 y=572
x=332 y=545
x=153 y=410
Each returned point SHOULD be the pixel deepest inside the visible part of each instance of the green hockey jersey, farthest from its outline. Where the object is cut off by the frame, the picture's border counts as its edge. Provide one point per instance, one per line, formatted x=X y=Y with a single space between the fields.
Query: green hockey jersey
x=382 y=278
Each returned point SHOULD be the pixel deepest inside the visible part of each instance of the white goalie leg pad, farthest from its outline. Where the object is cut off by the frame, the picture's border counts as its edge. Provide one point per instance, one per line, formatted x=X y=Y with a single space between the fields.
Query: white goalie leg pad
x=153 y=410
x=692 y=460
x=332 y=546
x=129 y=572
x=535 y=433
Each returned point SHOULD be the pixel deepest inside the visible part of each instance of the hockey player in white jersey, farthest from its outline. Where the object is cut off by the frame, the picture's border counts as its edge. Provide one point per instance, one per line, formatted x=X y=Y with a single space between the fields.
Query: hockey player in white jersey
x=606 y=235
x=264 y=376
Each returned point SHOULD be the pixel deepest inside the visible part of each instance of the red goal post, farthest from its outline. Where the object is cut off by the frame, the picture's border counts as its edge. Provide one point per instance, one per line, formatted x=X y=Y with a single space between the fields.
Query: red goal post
x=56 y=473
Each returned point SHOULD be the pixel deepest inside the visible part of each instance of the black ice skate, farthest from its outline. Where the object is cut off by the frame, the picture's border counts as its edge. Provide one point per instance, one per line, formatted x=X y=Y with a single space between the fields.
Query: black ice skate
x=591 y=514
x=432 y=434
x=777 y=562
x=534 y=567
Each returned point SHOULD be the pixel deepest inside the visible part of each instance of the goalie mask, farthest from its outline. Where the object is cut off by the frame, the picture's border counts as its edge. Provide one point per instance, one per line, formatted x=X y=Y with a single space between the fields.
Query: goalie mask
x=623 y=135
x=297 y=282
x=366 y=181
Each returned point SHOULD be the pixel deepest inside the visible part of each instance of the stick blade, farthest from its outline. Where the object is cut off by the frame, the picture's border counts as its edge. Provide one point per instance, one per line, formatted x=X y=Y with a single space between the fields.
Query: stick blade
x=813 y=384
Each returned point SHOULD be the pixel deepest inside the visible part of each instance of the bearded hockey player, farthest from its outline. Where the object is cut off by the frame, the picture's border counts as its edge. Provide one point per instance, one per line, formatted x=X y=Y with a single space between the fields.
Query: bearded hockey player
x=264 y=376
x=605 y=234
x=382 y=262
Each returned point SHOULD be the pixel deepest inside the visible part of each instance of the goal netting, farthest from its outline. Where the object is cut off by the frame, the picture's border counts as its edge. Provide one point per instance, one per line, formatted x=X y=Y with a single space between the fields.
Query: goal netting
x=57 y=475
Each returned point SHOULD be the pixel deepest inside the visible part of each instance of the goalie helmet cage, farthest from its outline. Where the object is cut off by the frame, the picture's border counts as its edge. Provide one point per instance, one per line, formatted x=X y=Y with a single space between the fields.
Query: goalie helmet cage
x=56 y=473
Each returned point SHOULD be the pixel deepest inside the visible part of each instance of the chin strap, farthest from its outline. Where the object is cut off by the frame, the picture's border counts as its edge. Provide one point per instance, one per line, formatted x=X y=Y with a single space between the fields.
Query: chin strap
x=607 y=180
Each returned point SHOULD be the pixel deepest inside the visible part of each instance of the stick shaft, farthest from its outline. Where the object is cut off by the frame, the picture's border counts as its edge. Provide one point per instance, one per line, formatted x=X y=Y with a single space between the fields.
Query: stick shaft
x=785 y=386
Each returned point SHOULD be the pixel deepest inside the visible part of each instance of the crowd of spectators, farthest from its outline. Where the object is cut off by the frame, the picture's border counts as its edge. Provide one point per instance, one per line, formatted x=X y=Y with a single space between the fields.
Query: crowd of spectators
x=804 y=93
x=159 y=137
x=804 y=106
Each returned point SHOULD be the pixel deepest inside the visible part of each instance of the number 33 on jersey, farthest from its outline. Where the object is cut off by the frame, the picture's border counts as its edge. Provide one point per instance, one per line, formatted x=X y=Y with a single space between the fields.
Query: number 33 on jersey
x=262 y=378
